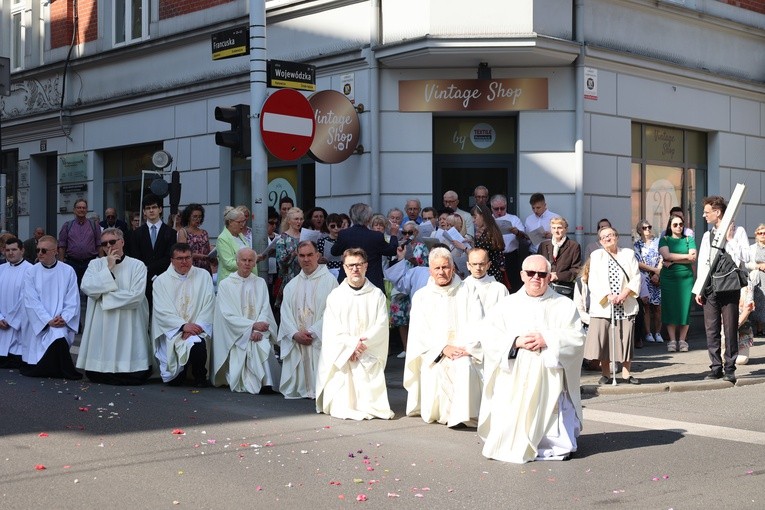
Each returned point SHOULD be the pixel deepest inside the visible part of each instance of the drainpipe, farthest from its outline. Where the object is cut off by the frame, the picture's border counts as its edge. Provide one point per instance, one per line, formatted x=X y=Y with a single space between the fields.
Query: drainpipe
x=374 y=104
x=579 y=123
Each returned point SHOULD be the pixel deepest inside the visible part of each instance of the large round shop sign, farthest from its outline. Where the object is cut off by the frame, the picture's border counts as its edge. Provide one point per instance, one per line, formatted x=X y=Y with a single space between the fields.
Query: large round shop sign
x=337 y=127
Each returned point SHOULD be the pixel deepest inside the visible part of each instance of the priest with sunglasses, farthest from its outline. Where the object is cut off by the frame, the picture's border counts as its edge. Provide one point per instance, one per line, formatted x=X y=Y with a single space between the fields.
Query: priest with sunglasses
x=115 y=346
x=533 y=347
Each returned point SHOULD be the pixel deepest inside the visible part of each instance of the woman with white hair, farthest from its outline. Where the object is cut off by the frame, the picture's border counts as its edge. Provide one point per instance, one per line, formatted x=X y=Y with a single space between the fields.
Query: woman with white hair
x=230 y=241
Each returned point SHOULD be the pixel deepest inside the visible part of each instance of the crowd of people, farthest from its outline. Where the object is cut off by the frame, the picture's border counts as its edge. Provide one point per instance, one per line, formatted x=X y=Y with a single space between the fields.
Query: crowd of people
x=492 y=338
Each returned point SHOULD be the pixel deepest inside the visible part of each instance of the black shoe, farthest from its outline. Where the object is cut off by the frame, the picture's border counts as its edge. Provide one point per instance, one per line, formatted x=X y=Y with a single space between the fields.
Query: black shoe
x=203 y=383
x=729 y=378
x=713 y=376
x=631 y=380
x=268 y=390
x=604 y=380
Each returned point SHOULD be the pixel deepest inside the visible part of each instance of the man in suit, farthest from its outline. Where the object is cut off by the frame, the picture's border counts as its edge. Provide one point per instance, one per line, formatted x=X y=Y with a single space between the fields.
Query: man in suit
x=112 y=221
x=373 y=243
x=30 y=245
x=152 y=242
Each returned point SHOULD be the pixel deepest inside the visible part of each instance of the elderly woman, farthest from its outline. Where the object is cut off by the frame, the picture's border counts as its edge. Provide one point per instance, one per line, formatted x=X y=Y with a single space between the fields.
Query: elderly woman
x=678 y=253
x=649 y=261
x=230 y=241
x=564 y=255
x=287 y=261
x=756 y=267
x=191 y=233
x=614 y=284
x=413 y=254
x=246 y=231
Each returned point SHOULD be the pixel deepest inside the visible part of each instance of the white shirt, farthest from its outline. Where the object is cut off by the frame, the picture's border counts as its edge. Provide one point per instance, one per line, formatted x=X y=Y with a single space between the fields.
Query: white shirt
x=533 y=222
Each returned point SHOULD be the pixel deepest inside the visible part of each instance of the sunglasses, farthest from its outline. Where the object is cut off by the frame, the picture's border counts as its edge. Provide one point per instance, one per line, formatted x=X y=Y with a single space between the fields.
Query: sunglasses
x=531 y=274
x=333 y=225
x=647 y=227
x=272 y=222
x=408 y=232
x=43 y=250
x=110 y=242
x=677 y=224
x=760 y=233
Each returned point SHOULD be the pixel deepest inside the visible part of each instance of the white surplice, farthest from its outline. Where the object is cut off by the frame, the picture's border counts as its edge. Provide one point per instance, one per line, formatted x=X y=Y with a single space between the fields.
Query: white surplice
x=178 y=299
x=14 y=339
x=305 y=297
x=445 y=391
x=531 y=405
x=48 y=292
x=115 y=335
x=347 y=389
x=487 y=289
x=237 y=360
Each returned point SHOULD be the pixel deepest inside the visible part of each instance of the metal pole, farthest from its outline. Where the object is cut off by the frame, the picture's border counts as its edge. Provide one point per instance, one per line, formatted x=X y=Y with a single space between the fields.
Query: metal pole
x=259 y=159
x=612 y=336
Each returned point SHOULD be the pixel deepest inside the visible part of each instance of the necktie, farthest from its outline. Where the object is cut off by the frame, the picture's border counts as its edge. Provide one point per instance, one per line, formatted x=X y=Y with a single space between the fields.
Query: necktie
x=153 y=235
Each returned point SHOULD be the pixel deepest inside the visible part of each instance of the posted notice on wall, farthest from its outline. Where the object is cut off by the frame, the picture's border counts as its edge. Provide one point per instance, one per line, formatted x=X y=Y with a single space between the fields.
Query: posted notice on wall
x=590 y=83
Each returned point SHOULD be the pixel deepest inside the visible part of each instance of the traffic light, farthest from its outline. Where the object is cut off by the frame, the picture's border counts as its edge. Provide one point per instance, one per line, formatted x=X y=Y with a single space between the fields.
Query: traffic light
x=238 y=137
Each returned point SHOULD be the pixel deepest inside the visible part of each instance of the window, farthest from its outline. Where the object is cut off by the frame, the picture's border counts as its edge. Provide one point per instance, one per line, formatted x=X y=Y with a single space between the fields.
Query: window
x=669 y=169
x=122 y=178
x=18 y=34
x=131 y=20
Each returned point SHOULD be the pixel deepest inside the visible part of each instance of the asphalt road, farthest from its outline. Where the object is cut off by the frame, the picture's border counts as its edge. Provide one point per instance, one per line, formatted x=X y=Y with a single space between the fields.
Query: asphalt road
x=154 y=446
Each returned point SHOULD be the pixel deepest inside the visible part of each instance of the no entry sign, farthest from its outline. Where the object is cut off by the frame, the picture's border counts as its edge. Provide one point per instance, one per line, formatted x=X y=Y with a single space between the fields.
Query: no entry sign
x=287 y=124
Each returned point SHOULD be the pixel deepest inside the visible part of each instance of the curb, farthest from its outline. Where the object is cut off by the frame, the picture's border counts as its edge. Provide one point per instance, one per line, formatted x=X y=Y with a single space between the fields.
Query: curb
x=678 y=387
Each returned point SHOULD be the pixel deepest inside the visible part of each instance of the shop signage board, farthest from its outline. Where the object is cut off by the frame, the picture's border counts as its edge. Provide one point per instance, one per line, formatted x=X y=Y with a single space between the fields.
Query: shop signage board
x=287 y=124
x=337 y=127
x=472 y=95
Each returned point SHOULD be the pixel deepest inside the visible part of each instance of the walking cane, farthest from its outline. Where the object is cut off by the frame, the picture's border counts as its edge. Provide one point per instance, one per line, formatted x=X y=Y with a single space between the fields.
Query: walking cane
x=612 y=338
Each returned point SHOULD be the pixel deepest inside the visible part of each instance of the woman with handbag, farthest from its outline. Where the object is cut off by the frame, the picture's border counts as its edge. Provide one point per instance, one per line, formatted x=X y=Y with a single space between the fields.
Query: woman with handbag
x=614 y=283
x=678 y=252
x=649 y=261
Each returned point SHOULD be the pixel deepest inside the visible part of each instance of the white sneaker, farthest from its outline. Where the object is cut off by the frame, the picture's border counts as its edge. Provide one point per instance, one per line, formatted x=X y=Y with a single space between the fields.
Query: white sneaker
x=649 y=338
x=659 y=339
x=401 y=355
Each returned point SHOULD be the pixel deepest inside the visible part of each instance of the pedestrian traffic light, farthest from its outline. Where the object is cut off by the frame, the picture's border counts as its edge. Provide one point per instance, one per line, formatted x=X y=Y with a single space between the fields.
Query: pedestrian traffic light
x=238 y=137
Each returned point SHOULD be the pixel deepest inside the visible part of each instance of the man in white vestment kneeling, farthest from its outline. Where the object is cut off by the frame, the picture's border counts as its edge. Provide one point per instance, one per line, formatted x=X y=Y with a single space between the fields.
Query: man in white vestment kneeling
x=52 y=300
x=300 y=331
x=485 y=287
x=350 y=383
x=14 y=325
x=533 y=349
x=244 y=329
x=182 y=322
x=442 y=370
x=115 y=346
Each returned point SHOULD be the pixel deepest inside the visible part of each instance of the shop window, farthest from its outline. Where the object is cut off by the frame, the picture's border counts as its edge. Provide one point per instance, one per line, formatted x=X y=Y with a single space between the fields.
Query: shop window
x=669 y=169
x=131 y=20
x=18 y=33
x=122 y=178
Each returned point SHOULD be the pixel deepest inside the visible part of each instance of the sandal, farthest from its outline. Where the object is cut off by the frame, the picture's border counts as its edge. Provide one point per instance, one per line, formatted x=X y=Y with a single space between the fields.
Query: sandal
x=683 y=346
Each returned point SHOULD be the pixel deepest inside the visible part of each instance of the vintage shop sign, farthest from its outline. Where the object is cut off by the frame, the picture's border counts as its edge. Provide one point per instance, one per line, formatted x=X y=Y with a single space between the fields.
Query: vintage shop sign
x=337 y=127
x=472 y=95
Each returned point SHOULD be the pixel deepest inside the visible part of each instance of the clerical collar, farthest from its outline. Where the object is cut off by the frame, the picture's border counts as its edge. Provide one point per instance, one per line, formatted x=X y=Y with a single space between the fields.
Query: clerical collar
x=356 y=288
x=17 y=263
x=119 y=261
x=49 y=267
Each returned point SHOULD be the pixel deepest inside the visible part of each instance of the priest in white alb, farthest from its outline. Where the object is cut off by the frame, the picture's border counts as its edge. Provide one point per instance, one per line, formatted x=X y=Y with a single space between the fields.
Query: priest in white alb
x=52 y=302
x=182 y=322
x=302 y=316
x=14 y=325
x=350 y=383
x=442 y=371
x=115 y=346
x=244 y=330
x=533 y=349
x=480 y=283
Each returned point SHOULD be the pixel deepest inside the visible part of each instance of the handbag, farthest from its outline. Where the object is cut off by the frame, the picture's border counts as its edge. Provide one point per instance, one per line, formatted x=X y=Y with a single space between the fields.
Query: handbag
x=726 y=276
x=563 y=290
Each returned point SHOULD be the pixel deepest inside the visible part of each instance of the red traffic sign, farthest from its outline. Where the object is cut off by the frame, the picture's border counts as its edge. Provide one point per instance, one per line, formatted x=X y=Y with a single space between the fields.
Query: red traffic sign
x=287 y=124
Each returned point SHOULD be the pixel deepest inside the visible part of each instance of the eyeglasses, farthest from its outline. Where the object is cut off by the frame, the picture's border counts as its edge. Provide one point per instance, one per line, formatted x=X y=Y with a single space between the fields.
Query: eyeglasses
x=110 y=242
x=408 y=232
x=498 y=208
x=607 y=236
x=355 y=266
x=647 y=227
x=182 y=259
x=531 y=274
x=677 y=224
x=333 y=225
x=43 y=250
x=760 y=233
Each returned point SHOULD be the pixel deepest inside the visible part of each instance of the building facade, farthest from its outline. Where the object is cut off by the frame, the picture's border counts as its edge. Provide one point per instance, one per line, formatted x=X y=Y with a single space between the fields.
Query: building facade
x=611 y=108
